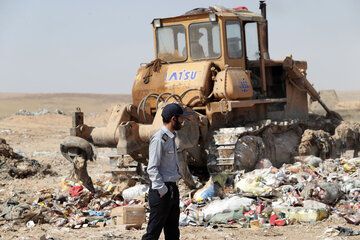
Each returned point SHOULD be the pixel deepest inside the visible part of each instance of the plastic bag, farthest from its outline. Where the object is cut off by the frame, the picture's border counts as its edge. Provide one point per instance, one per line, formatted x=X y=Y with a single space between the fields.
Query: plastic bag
x=226 y=216
x=313 y=161
x=194 y=214
x=263 y=163
x=135 y=191
x=257 y=182
x=207 y=191
x=226 y=205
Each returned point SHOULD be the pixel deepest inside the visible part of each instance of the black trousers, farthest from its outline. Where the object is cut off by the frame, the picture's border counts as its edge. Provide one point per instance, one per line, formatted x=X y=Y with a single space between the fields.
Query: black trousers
x=164 y=213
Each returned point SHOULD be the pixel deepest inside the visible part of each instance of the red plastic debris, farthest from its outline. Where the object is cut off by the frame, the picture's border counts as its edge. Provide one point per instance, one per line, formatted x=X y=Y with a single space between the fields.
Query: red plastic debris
x=249 y=213
x=231 y=221
x=280 y=222
x=259 y=208
x=76 y=191
x=272 y=219
x=352 y=220
x=240 y=8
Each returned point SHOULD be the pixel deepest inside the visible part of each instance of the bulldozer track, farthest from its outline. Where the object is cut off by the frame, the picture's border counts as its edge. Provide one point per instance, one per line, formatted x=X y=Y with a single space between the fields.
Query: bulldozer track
x=222 y=155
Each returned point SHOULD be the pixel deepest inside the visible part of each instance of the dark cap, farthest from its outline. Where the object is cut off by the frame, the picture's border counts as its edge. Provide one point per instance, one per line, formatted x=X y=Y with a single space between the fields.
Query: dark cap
x=174 y=109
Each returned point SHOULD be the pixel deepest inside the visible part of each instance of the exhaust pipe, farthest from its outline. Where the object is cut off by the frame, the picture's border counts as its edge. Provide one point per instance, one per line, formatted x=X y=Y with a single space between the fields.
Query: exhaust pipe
x=264 y=29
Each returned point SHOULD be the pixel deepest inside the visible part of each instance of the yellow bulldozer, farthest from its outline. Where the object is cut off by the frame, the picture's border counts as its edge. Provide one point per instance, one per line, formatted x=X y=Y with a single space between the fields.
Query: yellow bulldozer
x=213 y=61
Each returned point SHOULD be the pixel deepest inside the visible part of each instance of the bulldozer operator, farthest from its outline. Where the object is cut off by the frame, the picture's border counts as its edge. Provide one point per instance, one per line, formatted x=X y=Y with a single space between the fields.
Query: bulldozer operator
x=197 y=49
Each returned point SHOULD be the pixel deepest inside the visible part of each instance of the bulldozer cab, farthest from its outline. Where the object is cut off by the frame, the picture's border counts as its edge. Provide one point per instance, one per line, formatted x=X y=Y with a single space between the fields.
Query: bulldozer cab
x=225 y=38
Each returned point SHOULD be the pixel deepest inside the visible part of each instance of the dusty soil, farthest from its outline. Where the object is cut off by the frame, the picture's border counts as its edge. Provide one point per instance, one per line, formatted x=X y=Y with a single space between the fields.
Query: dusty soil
x=38 y=137
x=346 y=103
x=67 y=102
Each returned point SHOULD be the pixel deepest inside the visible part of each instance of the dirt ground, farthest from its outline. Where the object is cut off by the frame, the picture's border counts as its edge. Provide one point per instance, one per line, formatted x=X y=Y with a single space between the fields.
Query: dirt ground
x=38 y=137
x=346 y=103
x=67 y=102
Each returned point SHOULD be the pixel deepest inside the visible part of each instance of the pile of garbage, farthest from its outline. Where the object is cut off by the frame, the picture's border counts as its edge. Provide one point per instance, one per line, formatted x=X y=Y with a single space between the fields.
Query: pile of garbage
x=73 y=206
x=41 y=111
x=14 y=165
x=307 y=191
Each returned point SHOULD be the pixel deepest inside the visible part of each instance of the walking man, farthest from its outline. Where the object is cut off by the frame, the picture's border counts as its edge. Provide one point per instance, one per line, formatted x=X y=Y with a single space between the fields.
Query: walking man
x=164 y=173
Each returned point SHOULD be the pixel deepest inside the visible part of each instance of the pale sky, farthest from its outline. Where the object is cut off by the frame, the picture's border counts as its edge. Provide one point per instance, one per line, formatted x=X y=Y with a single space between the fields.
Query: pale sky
x=96 y=46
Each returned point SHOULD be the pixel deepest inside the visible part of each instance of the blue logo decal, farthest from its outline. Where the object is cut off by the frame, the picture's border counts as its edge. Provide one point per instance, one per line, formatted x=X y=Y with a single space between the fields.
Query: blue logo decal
x=244 y=86
x=181 y=76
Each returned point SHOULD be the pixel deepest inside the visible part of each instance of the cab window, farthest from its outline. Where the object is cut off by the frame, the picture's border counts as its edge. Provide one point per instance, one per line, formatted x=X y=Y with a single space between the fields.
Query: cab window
x=252 y=42
x=204 y=39
x=171 y=43
x=233 y=39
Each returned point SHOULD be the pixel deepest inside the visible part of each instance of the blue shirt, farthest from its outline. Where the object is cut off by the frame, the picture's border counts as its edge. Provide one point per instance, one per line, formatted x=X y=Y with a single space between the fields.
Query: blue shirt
x=163 y=161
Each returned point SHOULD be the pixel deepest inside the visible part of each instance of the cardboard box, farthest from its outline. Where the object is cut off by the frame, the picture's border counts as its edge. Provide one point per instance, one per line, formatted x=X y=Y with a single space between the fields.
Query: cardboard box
x=132 y=214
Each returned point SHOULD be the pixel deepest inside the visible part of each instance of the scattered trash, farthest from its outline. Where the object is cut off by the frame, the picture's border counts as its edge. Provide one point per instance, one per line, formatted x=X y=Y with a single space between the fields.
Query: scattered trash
x=314 y=204
x=76 y=191
x=226 y=205
x=192 y=215
x=316 y=143
x=263 y=163
x=308 y=190
x=30 y=224
x=325 y=192
x=14 y=165
x=340 y=231
x=206 y=192
x=41 y=111
x=7 y=131
x=303 y=214
x=133 y=215
x=313 y=161
x=257 y=182
x=13 y=210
